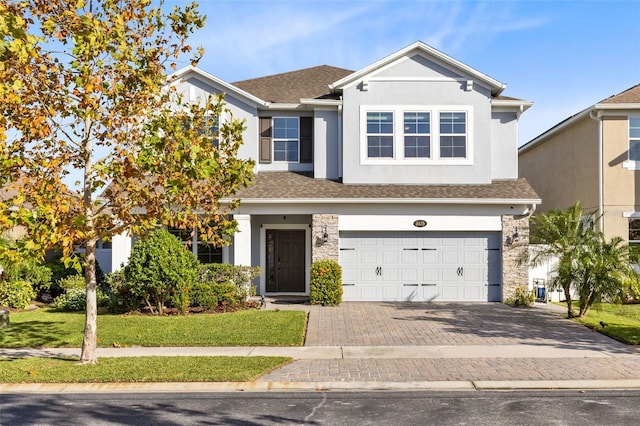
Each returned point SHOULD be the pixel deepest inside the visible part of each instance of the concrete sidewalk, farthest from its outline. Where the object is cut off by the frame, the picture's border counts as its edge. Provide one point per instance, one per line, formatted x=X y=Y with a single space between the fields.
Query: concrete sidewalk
x=414 y=346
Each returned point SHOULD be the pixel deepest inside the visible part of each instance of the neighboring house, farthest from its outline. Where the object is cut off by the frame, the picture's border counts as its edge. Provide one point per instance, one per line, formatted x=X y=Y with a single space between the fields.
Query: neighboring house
x=405 y=172
x=592 y=157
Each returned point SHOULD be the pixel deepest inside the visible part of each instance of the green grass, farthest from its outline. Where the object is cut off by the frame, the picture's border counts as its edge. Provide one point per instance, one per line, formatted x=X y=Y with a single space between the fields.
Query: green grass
x=50 y=329
x=138 y=369
x=623 y=321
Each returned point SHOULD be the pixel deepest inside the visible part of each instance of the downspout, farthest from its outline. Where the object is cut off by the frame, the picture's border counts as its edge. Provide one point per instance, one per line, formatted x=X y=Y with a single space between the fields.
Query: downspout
x=340 y=145
x=595 y=116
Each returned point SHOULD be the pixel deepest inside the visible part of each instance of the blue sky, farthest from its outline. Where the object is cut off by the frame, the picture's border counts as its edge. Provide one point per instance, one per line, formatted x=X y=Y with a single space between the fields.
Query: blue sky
x=562 y=55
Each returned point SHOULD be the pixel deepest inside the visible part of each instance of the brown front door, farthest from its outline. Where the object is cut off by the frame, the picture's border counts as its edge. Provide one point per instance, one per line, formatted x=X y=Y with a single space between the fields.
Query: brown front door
x=285 y=261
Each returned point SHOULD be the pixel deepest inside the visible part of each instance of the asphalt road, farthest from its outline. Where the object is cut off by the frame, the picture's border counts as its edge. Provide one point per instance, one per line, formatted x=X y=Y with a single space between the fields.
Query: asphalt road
x=326 y=408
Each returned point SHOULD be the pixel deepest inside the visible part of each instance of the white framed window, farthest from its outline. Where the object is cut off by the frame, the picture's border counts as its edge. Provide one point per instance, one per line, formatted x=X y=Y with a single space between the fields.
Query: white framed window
x=286 y=139
x=453 y=134
x=380 y=134
x=634 y=138
x=416 y=134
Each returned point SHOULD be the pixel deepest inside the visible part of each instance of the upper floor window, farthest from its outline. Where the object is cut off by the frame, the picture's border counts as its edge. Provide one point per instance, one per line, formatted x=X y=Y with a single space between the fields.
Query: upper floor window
x=634 y=138
x=453 y=135
x=286 y=139
x=380 y=134
x=417 y=135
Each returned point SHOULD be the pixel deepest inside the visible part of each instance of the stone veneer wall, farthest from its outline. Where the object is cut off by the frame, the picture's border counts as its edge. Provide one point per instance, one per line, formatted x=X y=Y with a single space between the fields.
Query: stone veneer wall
x=330 y=249
x=515 y=253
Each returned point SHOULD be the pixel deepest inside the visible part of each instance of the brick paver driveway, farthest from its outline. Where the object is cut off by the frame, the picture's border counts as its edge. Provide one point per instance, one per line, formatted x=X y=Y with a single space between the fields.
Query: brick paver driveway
x=429 y=323
x=467 y=326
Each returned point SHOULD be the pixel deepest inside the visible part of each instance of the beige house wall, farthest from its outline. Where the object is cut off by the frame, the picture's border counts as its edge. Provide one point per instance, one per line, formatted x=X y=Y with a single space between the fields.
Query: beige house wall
x=563 y=169
x=621 y=192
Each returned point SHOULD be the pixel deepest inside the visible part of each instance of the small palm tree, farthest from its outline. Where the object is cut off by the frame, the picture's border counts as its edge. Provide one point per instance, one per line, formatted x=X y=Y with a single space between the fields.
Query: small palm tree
x=607 y=270
x=597 y=269
x=565 y=235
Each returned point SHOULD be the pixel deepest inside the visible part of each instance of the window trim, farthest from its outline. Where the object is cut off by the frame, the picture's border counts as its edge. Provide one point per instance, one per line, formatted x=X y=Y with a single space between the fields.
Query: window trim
x=398 y=135
x=629 y=163
x=274 y=139
x=417 y=134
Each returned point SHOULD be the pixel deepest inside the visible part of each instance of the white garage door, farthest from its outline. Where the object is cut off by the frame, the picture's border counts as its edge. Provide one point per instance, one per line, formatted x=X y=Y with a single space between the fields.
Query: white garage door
x=421 y=266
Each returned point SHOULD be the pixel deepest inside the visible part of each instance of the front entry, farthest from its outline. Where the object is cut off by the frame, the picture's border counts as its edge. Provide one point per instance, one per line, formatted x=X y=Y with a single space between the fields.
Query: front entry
x=285 y=261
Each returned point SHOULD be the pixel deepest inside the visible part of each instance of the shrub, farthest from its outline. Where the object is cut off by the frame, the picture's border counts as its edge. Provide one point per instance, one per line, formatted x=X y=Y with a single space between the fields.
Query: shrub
x=325 y=287
x=72 y=282
x=240 y=276
x=121 y=298
x=60 y=271
x=521 y=296
x=16 y=294
x=75 y=299
x=160 y=271
x=210 y=295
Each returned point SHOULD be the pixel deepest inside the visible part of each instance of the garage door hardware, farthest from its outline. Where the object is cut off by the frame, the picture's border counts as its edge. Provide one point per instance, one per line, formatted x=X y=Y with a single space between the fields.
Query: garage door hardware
x=428 y=285
x=411 y=285
x=460 y=271
x=379 y=271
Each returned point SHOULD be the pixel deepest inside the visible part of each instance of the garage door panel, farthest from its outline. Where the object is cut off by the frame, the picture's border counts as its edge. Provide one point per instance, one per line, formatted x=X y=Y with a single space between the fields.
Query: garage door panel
x=410 y=274
x=416 y=266
x=474 y=274
x=369 y=256
x=474 y=293
x=430 y=275
x=410 y=292
x=450 y=257
x=475 y=257
x=410 y=256
x=391 y=257
x=390 y=274
x=429 y=292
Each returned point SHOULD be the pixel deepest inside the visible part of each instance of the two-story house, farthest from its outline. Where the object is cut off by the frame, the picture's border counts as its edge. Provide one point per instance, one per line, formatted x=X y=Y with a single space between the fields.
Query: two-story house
x=405 y=172
x=592 y=157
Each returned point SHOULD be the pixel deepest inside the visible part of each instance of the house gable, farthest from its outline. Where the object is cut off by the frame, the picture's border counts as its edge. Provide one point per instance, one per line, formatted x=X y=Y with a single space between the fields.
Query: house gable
x=450 y=102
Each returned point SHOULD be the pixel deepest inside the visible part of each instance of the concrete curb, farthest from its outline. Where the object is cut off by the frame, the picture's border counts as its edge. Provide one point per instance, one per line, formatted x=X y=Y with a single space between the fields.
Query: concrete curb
x=201 y=387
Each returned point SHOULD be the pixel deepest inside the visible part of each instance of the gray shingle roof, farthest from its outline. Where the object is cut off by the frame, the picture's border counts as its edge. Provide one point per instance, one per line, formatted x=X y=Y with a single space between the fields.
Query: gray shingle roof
x=289 y=185
x=290 y=87
x=629 y=96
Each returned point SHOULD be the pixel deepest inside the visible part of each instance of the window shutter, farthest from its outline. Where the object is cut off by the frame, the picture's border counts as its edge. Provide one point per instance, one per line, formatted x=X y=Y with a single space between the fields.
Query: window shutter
x=306 y=139
x=265 y=140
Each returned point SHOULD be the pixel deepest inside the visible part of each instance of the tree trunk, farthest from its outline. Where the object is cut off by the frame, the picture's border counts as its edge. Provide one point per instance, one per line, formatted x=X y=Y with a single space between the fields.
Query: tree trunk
x=90 y=339
x=89 y=342
x=567 y=296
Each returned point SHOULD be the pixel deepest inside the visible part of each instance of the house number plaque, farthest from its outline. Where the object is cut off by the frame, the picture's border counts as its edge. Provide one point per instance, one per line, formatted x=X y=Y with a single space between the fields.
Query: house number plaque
x=420 y=223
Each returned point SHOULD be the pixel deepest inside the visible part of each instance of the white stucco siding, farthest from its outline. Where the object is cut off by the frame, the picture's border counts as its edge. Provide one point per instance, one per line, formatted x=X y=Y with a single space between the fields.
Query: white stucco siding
x=504 y=145
x=408 y=223
x=325 y=144
x=431 y=93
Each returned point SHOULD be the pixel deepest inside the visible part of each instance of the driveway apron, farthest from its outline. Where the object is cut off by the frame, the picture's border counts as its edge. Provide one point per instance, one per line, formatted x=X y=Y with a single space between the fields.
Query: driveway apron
x=467 y=328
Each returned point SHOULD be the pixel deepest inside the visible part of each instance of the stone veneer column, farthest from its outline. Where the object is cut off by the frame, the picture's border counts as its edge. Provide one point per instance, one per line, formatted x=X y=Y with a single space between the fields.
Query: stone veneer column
x=320 y=249
x=515 y=253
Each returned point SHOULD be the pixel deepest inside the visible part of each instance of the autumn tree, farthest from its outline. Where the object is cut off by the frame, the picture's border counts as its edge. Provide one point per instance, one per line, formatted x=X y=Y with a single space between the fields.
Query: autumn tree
x=84 y=90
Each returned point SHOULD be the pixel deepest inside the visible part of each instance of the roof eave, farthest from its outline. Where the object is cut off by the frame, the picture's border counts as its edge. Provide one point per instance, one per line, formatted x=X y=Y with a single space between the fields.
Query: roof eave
x=467 y=201
x=596 y=108
x=230 y=88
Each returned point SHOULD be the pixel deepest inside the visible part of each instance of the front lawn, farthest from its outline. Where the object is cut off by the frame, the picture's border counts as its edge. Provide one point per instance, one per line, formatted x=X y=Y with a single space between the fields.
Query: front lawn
x=138 y=369
x=49 y=329
x=622 y=321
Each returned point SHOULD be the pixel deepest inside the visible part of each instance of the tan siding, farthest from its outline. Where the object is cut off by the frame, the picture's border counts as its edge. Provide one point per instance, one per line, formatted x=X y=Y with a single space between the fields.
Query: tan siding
x=622 y=186
x=563 y=169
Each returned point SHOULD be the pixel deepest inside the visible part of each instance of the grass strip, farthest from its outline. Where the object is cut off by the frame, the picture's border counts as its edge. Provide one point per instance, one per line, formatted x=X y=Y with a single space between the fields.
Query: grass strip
x=622 y=322
x=49 y=329
x=138 y=369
